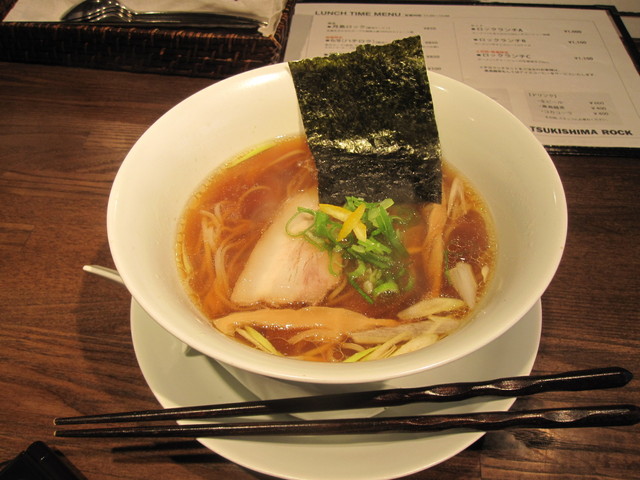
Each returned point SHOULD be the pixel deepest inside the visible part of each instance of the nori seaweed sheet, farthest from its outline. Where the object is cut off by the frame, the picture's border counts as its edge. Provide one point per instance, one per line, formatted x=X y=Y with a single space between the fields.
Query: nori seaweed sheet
x=369 y=120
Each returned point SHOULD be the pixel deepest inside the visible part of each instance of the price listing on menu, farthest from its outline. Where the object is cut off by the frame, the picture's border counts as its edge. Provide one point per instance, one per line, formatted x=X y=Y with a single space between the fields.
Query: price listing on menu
x=564 y=72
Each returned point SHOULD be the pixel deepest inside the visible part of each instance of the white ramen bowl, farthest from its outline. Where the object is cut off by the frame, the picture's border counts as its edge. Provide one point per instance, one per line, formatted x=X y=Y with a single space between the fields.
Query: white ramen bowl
x=494 y=150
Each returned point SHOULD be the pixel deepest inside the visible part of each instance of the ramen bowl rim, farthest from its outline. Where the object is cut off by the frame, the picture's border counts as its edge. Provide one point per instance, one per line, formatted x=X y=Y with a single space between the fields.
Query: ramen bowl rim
x=230 y=352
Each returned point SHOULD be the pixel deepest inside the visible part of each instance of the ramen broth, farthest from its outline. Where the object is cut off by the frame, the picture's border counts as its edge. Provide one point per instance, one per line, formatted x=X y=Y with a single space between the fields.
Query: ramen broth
x=450 y=252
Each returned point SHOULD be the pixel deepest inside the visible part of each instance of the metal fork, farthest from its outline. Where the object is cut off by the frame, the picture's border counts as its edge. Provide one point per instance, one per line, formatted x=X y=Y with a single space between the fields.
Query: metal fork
x=112 y=11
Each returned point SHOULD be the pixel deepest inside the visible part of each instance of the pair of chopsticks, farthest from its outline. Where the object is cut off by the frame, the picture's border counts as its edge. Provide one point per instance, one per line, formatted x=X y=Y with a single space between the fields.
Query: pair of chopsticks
x=597 y=416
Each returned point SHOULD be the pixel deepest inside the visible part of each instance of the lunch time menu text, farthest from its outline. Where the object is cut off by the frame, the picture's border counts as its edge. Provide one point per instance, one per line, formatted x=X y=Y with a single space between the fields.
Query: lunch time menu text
x=563 y=72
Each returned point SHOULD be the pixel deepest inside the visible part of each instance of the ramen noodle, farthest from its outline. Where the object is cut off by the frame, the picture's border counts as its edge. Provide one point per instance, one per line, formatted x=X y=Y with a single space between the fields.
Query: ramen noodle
x=271 y=267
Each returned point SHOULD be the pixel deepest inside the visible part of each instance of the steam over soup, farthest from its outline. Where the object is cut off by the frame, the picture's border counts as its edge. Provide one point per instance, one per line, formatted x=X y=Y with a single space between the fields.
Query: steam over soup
x=271 y=267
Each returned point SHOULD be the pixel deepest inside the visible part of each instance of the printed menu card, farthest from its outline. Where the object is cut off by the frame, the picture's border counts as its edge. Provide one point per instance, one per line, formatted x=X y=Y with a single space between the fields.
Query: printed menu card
x=564 y=72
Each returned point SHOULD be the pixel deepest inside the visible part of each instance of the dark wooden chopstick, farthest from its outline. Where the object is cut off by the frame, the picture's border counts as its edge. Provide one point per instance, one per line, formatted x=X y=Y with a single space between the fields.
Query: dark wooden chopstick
x=609 y=377
x=599 y=416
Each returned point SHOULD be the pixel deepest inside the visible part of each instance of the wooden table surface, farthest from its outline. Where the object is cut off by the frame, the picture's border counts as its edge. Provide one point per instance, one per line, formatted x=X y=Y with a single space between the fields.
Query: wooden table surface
x=65 y=345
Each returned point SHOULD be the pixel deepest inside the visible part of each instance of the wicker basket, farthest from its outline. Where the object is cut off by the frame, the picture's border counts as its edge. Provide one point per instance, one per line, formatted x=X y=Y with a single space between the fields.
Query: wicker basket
x=164 y=51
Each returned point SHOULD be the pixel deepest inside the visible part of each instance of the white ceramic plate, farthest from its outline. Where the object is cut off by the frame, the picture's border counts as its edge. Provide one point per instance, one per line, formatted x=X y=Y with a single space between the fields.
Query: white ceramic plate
x=179 y=378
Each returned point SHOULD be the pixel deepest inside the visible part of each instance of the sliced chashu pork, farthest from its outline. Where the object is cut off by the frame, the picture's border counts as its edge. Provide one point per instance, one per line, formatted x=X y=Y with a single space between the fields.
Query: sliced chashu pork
x=283 y=269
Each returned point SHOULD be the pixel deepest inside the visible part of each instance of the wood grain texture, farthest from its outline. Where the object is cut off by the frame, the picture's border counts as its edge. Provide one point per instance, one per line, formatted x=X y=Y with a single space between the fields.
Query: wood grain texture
x=65 y=346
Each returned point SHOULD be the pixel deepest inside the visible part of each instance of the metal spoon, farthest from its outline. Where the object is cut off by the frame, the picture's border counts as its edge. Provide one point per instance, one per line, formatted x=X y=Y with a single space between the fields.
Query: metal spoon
x=112 y=11
x=108 y=273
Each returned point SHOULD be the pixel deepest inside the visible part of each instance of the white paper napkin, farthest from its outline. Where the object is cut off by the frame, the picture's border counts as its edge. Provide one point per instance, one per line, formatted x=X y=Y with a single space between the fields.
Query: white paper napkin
x=51 y=10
